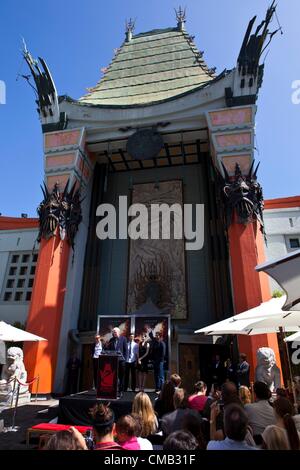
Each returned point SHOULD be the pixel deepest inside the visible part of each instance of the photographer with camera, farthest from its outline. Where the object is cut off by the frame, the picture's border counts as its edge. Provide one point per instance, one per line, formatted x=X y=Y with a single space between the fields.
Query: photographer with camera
x=235 y=429
x=102 y=436
x=229 y=396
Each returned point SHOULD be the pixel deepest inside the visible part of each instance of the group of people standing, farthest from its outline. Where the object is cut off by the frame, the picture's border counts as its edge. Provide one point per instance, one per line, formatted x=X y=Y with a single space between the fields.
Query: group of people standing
x=134 y=359
x=221 y=371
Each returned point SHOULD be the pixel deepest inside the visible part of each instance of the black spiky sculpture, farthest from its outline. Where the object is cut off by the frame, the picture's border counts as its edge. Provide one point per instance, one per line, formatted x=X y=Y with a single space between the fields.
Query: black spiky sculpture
x=243 y=195
x=60 y=211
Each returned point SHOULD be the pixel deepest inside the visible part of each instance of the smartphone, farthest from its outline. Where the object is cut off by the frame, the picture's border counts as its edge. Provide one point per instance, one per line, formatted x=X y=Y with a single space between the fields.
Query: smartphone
x=221 y=405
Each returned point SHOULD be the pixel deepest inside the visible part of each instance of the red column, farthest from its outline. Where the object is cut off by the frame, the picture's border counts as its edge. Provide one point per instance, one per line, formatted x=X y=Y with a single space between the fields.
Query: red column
x=46 y=310
x=250 y=288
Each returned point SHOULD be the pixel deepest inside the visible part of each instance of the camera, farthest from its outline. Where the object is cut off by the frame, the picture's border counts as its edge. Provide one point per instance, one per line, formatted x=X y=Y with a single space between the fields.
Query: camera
x=89 y=440
x=221 y=405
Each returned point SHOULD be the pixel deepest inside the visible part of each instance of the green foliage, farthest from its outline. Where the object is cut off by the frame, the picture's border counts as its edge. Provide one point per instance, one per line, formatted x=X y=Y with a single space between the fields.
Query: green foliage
x=277 y=293
x=18 y=324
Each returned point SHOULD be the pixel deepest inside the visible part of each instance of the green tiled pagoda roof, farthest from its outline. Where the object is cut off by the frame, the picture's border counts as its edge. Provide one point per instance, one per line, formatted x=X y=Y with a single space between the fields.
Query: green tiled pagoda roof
x=151 y=67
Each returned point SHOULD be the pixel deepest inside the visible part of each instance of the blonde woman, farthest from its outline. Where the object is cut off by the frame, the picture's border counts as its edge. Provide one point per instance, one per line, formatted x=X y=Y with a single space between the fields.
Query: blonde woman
x=283 y=412
x=275 y=439
x=245 y=395
x=143 y=407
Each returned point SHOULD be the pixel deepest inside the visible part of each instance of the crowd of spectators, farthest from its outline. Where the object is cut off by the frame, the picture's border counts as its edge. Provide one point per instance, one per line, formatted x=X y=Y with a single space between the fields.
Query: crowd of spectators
x=227 y=418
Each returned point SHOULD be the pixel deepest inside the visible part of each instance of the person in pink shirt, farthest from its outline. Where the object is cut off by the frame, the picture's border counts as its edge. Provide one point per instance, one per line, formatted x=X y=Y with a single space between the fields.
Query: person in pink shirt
x=198 y=399
x=125 y=431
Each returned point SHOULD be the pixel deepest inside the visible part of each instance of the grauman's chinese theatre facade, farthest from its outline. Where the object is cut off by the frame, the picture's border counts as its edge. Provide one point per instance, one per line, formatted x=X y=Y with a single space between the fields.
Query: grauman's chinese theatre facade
x=160 y=126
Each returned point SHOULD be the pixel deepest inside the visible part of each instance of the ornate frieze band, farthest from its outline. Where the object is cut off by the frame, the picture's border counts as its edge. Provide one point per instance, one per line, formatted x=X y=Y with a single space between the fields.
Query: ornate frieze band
x=65 y=158
x=232 y=137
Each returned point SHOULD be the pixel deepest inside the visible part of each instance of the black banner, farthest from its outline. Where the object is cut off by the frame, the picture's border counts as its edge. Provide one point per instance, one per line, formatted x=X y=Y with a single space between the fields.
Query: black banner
x=135 y=459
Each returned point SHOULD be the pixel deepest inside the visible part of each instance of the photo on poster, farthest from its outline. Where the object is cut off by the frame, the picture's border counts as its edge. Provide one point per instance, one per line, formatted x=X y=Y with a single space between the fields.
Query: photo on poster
x=150 y=326
x=107 y=323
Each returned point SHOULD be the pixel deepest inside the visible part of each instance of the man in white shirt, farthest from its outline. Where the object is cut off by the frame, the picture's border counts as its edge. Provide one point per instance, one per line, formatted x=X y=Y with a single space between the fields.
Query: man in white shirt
x=132 y=357
x=97 y=350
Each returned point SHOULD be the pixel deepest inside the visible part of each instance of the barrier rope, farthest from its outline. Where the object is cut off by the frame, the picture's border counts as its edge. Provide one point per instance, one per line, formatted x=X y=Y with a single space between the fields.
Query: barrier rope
x=28 y=383
x=21 y=383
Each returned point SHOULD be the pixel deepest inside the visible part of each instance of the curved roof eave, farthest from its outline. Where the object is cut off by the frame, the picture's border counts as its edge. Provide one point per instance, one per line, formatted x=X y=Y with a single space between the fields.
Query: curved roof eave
x=143 y=105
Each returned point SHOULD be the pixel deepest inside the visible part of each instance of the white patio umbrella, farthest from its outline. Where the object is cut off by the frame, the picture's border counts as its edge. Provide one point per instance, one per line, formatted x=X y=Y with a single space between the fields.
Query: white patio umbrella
x=12 y=334
x=268 y=317
x=252 y=327
x=288 y=321
x=258 y=324
x=294 y=337
x=15 y=335
x=230 y=326
x=286 y=271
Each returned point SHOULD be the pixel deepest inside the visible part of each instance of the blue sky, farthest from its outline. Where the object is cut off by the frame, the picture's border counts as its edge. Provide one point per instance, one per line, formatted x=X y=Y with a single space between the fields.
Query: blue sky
x=77 y=38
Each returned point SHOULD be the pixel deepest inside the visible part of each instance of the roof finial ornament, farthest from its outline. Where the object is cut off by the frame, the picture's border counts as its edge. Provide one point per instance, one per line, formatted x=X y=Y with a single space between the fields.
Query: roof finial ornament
x=129 y=28
x=255 y=44
x=180 y=17
x=45 y=90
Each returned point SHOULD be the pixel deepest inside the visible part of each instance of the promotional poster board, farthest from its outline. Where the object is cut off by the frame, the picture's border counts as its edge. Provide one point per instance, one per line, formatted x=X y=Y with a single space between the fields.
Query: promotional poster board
x=106 y=323
x=137 y=325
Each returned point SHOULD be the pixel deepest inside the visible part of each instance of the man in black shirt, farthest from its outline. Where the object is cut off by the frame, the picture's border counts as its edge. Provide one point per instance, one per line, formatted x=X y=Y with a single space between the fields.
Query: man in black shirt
x=158 y=357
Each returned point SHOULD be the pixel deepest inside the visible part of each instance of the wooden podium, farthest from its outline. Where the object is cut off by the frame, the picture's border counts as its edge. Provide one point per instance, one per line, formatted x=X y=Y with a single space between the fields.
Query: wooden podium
x=108 y=368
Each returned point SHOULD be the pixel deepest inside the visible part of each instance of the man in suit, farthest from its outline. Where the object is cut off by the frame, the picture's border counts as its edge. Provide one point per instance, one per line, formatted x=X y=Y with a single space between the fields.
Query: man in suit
x=243 y=371
x=119 y=343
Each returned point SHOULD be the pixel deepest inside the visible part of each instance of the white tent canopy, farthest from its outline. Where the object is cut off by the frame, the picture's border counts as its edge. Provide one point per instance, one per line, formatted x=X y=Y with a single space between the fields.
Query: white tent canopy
x=15 y=335
x=286 y=271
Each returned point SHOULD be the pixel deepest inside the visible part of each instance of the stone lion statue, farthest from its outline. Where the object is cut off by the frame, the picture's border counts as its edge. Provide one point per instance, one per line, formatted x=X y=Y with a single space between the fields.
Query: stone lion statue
x=266 y=370
x=14 y=368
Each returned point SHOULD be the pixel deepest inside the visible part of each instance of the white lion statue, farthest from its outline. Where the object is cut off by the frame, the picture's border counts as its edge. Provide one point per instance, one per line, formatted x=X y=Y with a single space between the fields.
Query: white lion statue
x=13 y=369
x=266 y=370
